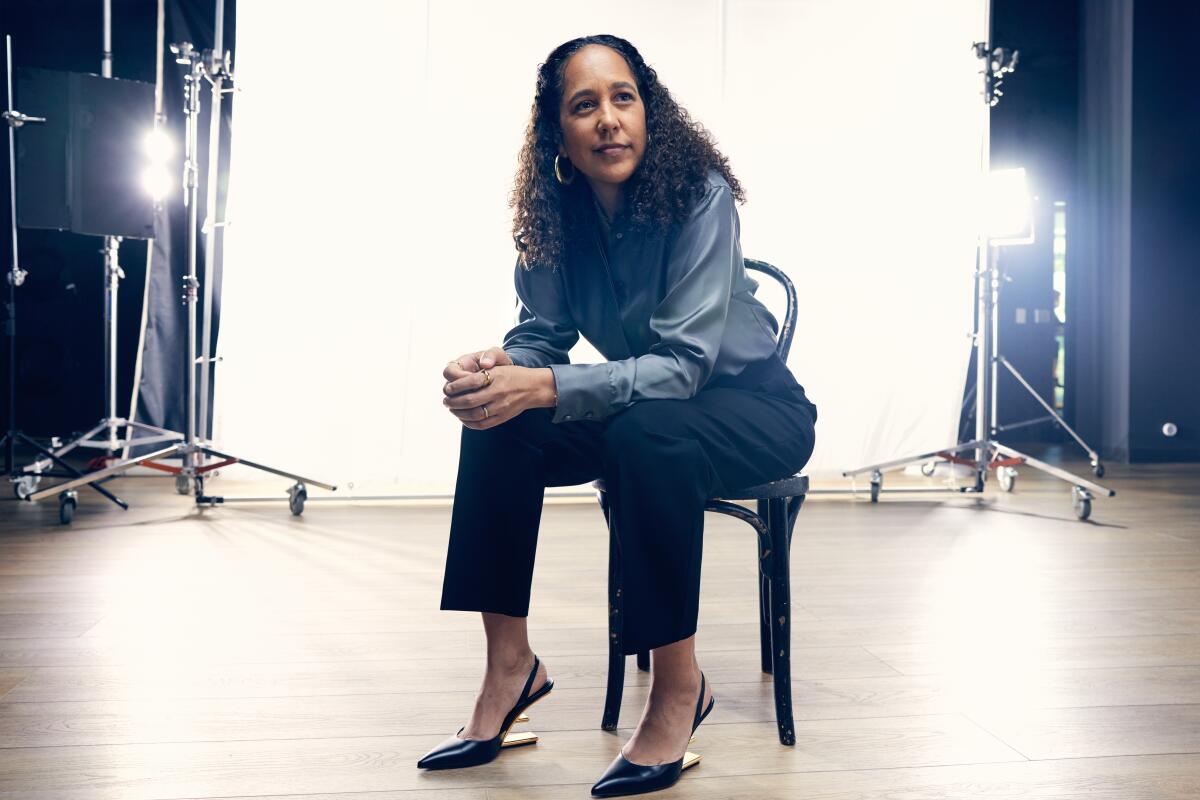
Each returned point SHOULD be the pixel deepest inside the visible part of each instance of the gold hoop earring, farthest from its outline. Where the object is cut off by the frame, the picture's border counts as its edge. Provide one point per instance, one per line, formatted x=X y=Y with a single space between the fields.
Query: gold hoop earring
x=559 y=175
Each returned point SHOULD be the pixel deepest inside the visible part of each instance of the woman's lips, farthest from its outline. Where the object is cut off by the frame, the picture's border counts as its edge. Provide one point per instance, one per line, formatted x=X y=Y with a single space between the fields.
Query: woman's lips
x=613 y=150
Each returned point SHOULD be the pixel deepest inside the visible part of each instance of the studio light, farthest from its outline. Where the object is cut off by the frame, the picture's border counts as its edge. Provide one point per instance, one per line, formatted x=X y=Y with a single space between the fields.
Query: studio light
x=158 y=146
x=156 y=180
x=1009 y=207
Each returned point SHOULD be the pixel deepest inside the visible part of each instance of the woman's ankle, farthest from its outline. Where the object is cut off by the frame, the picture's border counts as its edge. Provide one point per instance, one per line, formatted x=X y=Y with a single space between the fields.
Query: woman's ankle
x=508 y=661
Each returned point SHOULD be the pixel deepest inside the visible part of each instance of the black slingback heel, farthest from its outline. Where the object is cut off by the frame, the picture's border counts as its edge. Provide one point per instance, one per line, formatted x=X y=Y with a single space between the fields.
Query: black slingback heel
x=455 y=752
x=625 y=777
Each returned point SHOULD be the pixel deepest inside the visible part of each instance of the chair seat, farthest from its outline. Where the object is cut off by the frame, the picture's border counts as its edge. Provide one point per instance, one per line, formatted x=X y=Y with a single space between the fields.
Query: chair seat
x=794 y=486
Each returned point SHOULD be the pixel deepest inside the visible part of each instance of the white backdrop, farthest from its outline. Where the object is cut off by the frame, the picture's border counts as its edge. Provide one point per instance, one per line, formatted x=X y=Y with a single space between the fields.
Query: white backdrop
x=368 y=140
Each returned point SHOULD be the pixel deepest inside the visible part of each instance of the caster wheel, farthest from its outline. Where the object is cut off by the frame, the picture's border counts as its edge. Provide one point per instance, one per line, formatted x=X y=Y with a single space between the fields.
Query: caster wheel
x=876 y=486
x=928 y=468
x=182 y=484
x=1008 y=478
x=296 y=502
x=66 y=509
x=25 y=486
x=1083 y=509
x=1098 y=469
x=1082 y=503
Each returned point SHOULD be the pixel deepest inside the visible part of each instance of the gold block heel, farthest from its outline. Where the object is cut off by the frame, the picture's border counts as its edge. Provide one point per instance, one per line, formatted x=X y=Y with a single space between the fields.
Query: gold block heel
x=691 y=759
x=519 y=739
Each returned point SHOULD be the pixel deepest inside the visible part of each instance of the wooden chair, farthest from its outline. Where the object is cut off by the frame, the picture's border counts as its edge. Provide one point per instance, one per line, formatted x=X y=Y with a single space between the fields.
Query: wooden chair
x=778 y=504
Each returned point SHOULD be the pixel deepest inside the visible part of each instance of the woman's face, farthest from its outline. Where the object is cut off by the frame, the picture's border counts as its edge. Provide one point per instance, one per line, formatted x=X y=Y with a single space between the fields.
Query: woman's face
x=602 y=117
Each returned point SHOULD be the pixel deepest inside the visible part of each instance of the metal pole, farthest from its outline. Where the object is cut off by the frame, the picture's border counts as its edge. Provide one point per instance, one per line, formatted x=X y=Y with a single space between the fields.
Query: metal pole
x=112 y=273
x=994 y=352
x=217 y=78
x=159 y=51
x=12 y=166
x=219 y=29
x=983 y=348
x=192 y=90
x=106 y=57
x=112 y=282
x=14 y=277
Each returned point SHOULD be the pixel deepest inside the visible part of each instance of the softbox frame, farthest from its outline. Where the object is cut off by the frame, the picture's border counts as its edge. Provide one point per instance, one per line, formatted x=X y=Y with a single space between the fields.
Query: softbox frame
x=81 y=169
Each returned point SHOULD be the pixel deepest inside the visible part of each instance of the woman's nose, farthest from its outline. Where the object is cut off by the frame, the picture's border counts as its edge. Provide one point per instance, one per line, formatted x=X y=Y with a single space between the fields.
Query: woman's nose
x=607 y=119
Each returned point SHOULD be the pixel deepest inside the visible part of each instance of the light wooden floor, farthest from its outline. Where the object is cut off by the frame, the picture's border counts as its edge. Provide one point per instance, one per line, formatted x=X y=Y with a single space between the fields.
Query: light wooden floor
x=943 y=648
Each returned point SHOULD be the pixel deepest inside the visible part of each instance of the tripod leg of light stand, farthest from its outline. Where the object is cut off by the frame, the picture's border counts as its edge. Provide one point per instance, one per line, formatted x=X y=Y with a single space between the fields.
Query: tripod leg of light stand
x=1061 y=474
x=80 y=479
x=1093 y=456
x=297 y=493
x=877 y=470
x=264 y=468
x=88 y=440
x=904 y=462
x=156 y=434
x=91 y=478
x=44 y=463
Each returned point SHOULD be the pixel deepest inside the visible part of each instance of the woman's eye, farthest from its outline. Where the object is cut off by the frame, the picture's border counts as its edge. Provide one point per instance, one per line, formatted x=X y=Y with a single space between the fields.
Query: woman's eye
x=626 y=94
x=579 y=106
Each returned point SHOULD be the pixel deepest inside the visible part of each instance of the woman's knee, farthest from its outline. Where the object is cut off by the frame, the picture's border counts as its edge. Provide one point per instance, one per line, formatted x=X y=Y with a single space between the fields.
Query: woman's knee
x=507 y=443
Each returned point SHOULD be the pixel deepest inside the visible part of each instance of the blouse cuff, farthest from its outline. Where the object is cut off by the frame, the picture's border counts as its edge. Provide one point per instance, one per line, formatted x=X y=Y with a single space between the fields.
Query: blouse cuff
x=586 y=391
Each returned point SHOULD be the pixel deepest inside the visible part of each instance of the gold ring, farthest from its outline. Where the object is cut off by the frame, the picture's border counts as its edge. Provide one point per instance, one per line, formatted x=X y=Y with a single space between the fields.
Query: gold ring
x=487 y=377
x=485 y=412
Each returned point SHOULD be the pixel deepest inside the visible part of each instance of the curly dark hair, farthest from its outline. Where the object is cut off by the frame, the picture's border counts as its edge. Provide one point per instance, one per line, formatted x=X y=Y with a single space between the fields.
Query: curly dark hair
x=664 y=189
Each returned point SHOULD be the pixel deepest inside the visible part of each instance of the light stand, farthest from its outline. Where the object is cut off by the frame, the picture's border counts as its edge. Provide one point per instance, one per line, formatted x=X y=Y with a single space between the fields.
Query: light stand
x=988 y=452
x=104 y=436
x=23 y=484
x=213 y=66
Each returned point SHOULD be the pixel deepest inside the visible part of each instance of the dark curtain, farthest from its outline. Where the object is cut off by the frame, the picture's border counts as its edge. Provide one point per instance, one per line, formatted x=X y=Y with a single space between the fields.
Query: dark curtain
x=1098 y=266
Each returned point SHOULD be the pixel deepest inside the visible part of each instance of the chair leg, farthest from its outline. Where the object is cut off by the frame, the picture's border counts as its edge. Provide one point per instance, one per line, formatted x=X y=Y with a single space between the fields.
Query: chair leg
x=616 y=659
x=643 y=661
x=781 y=620
x=794 y=504
x=764 y=600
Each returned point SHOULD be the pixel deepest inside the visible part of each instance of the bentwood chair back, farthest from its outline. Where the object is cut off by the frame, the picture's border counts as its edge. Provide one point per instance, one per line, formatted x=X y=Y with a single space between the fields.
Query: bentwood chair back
x=777 y=506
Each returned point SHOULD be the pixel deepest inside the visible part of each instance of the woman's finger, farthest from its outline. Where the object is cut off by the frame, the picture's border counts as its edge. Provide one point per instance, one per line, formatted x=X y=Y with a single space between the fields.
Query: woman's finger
x=453 y=371
x=470 y=383
x=461 y=367
x=490 y=421
x=480 y=397
x=469 y=414
x=494 y=357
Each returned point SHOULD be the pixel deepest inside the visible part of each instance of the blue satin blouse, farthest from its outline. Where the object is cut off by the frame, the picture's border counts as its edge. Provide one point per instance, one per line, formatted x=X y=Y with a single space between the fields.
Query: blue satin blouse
x=669 y=311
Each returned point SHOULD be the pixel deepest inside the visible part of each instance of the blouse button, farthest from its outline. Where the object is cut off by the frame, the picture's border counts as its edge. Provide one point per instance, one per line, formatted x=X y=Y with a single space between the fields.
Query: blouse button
x=619 y=235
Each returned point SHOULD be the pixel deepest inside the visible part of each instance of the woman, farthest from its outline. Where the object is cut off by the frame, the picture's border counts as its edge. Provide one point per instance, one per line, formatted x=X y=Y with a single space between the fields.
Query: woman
x=627 y=232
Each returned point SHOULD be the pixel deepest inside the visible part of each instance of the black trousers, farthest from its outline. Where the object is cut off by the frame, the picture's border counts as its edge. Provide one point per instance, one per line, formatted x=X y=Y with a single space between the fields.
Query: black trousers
x=661 y=461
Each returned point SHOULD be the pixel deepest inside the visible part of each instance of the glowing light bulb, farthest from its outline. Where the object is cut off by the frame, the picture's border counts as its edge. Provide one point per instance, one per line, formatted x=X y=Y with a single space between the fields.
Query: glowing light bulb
x=156 y=181
x=158 y=146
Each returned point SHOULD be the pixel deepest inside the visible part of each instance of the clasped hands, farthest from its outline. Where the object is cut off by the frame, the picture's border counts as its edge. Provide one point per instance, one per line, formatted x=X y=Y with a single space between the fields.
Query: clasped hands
x=485 y=389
